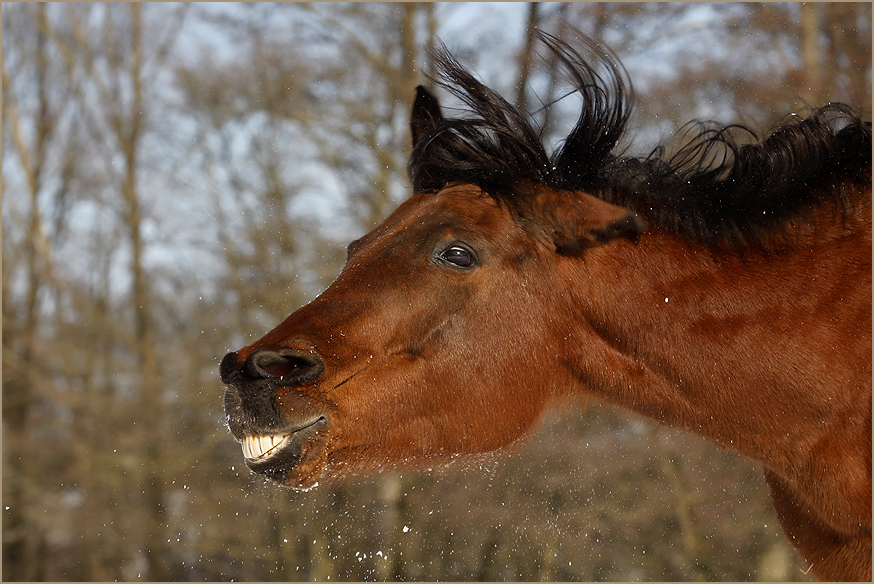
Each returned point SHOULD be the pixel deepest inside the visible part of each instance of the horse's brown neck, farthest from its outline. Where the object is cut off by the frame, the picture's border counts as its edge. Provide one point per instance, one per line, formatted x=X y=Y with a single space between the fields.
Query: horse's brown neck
x=741 y=349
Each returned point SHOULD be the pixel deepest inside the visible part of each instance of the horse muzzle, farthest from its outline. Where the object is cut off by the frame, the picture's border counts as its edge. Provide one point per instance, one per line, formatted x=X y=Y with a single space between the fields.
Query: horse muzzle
x=278 y=427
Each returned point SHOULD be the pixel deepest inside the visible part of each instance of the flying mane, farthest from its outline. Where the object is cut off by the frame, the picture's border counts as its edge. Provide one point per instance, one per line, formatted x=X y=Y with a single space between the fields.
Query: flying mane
x=723 y=186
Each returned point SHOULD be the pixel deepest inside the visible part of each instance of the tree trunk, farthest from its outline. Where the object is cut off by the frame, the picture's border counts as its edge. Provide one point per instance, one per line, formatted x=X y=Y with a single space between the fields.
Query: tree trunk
x=23 y=538
x=810 y=52
x=526 y=57
x=129 y=129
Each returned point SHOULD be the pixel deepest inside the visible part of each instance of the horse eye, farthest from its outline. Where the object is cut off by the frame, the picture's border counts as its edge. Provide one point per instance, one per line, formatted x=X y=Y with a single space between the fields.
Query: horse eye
x=458 y=256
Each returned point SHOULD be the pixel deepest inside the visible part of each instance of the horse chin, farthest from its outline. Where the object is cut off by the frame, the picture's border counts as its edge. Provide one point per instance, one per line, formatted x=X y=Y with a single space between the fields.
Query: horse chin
x=291 y=473
x=304 y=477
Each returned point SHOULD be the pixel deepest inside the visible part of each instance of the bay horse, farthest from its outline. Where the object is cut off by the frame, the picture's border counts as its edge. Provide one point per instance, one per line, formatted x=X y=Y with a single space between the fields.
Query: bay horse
x=724 y=289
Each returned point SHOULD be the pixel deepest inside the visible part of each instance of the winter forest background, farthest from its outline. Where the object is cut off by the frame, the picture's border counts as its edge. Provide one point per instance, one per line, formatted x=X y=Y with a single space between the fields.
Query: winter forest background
x=177 y=178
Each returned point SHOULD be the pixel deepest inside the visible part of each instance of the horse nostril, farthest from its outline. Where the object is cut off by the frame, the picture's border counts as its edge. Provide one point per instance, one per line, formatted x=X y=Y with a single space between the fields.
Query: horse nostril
x=292 y=367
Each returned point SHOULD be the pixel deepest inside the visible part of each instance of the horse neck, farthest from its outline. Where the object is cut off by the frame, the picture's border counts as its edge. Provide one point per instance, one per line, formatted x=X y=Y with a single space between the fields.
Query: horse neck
x=710 y=341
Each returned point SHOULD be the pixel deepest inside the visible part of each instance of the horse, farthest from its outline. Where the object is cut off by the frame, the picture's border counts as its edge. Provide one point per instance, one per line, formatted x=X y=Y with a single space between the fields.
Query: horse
x=724 y=289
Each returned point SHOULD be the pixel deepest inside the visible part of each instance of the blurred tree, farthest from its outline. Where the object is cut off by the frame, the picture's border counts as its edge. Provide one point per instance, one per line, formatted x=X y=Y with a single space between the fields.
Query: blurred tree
x=526 y=57
x=90 y=60
x=120 y=61
x=23 y=538
x=763 y=61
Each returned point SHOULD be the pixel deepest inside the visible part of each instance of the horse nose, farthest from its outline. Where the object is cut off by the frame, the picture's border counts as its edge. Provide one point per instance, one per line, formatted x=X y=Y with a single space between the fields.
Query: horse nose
x=292 y=367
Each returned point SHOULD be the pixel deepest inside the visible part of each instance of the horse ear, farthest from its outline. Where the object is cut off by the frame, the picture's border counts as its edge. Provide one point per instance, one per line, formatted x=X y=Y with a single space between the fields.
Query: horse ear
x=577 y=221
x=426 y=113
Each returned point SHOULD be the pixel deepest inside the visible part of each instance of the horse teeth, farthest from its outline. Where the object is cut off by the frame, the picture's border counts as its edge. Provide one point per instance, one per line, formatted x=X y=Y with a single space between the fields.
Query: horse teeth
x=260 y=446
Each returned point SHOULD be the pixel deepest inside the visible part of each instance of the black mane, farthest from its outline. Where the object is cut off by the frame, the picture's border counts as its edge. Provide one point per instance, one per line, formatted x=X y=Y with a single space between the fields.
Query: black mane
x=715 y=188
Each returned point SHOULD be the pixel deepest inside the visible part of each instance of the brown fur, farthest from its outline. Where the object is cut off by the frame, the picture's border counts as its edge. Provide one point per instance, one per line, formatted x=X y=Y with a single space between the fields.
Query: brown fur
x=456 y=322
x=767 y=355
